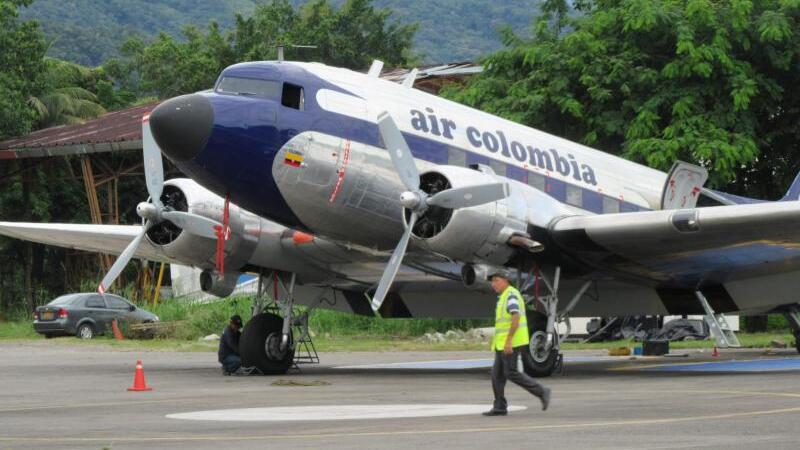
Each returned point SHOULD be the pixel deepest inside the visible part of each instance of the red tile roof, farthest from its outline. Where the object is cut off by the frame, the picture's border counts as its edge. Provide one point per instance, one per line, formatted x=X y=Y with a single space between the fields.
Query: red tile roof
x=119 y=130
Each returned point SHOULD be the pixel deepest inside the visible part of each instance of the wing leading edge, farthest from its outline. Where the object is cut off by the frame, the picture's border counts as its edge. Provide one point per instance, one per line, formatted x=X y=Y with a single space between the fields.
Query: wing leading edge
x=110 y=239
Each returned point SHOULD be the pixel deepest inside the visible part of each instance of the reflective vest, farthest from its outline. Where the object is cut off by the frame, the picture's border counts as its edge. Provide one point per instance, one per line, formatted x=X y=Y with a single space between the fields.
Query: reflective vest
x=502 y=322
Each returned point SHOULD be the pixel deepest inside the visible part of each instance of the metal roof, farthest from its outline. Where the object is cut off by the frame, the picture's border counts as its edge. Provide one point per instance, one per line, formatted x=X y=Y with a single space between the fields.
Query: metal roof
x=118 y=130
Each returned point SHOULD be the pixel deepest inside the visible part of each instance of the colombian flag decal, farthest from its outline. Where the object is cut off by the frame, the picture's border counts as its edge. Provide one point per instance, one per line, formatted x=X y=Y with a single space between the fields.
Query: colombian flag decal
x=293 y=159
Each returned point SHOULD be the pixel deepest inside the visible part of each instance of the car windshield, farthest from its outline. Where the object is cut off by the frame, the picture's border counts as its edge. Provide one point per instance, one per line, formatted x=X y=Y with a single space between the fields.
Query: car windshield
x=249 y=86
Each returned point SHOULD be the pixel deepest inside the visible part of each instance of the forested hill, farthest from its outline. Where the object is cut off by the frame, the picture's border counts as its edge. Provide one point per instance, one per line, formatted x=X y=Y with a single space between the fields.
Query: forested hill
x=91 y=31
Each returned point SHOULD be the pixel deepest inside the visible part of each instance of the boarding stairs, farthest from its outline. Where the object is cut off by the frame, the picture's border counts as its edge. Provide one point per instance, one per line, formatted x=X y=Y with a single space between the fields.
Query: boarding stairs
x=718 y=325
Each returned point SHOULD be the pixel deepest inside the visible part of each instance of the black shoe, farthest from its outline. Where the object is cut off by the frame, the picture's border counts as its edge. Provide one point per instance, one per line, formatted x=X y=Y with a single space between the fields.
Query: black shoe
x=545 y=399
x=496 y=412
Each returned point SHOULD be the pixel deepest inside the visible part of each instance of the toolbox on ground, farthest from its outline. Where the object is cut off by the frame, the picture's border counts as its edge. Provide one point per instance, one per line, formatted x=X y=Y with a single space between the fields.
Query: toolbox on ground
x=655 y=347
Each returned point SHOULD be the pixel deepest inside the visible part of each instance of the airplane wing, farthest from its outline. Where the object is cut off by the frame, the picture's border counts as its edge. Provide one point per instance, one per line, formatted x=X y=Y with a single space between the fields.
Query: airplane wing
x=687 y=247
x=110 y=239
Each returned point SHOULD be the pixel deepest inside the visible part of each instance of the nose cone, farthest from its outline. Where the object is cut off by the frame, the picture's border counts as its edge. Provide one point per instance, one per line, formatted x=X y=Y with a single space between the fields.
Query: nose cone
x=182 y=125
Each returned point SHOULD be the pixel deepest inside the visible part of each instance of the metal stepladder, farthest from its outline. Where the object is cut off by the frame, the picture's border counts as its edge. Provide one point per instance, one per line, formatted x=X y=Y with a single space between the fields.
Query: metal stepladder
x=718 y=324
x=295 y=320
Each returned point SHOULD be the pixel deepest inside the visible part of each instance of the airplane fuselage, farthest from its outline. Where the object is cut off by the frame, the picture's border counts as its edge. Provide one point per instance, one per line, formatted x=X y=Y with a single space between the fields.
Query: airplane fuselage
x=251 y=130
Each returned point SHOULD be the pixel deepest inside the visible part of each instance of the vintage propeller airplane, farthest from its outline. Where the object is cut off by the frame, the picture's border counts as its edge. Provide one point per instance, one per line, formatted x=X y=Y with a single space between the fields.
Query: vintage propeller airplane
x=314 y=173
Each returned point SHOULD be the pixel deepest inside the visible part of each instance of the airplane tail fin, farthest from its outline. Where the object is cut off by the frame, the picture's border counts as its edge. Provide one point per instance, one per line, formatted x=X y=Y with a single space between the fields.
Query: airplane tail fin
x=794 y=191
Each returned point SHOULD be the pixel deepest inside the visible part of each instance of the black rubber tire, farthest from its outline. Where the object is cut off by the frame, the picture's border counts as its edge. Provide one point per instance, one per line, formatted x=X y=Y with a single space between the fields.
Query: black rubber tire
x=91 y=332
x=253 y=340
x=538 y=366
x=49 y=335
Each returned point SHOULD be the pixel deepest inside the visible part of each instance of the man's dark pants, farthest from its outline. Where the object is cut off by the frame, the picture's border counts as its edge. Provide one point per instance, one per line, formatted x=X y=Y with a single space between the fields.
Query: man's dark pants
x=231 y=363
x=505 y=368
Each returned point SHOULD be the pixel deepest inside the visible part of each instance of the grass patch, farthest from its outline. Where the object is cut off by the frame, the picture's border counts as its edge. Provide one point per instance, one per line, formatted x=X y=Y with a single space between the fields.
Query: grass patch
x=18 y=330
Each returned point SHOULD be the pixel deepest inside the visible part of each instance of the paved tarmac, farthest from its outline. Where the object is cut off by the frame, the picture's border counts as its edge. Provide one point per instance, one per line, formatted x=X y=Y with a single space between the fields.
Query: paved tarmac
x=56 y=395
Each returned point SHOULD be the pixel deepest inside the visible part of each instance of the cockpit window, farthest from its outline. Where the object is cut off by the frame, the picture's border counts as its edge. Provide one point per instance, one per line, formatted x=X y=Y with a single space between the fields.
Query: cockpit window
x=249 y=86
x=293 y=96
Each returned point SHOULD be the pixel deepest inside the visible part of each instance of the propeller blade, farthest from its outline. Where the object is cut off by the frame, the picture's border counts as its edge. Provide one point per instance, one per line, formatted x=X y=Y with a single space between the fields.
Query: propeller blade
x=122 y=260
x=153 y=165
x=394 y=265
x=193 y=223
x=398 y=149
x=467 y=196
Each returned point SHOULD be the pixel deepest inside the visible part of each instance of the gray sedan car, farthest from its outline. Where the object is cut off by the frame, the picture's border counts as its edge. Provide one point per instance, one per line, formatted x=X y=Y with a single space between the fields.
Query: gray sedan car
x=86 y=315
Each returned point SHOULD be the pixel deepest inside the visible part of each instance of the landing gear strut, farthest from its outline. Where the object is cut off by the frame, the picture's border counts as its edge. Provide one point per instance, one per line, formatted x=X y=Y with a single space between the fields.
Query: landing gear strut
x=267 y=341
x=545 y=341
x=793 y=316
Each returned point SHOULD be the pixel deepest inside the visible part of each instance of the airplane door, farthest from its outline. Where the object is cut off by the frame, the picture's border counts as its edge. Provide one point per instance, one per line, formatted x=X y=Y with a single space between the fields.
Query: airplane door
x=683 y=185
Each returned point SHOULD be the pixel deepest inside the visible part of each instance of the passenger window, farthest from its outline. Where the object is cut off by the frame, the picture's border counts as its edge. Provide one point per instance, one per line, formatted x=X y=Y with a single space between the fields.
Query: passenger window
x=456 y=157
x=293 y=97
x=574 y=195
x=536 y=181
x=498 y=167
x=610 y=205
x=95 y=301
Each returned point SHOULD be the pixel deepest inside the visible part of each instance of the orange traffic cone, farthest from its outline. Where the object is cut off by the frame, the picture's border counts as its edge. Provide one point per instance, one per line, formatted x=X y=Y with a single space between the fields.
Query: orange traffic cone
x=115 y=329
x=138 y=379
x=715 y=352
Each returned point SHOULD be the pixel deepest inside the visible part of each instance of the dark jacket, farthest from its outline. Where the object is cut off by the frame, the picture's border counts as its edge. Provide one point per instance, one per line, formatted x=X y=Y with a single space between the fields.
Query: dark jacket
x=228 y=343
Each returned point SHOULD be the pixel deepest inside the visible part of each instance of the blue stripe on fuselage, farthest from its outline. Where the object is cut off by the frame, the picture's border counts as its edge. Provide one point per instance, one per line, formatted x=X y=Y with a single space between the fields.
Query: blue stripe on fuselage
x=249 y=132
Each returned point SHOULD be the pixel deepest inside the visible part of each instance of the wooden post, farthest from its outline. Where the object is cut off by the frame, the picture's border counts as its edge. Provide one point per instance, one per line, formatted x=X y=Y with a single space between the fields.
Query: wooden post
x=94 y=204
x=157 y=292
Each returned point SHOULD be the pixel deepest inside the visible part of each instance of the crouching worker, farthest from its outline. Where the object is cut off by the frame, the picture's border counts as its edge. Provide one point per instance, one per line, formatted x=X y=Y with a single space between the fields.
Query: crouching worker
x=509 y=344
x=229 y=346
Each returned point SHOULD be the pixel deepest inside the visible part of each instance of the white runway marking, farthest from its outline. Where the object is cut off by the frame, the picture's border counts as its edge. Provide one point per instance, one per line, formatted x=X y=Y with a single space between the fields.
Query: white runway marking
x=335 y=412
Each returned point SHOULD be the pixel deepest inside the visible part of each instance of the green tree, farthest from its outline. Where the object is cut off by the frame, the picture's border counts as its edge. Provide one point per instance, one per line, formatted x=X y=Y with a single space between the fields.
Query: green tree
x=23 y=46
x=350 y=36
x=708 y=81
x=65 y=97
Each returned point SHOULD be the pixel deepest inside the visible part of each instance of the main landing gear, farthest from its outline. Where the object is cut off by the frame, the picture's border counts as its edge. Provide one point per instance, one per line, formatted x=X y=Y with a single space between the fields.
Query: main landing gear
x=793 y=316
x=268 y=340
x=545 y=341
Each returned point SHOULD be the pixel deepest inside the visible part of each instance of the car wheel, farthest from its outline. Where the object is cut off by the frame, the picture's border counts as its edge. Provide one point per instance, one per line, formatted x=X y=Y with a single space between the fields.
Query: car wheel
x=48 y=335
x=85 y=331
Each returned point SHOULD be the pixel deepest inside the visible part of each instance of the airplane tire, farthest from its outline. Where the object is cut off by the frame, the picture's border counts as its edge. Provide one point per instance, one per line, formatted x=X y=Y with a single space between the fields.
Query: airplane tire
x=259 y=345
x=538 y=363
x=797 y=340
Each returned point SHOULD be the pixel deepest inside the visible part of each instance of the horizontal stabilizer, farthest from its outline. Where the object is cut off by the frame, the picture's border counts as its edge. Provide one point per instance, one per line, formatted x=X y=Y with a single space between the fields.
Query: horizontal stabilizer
x=794 y=190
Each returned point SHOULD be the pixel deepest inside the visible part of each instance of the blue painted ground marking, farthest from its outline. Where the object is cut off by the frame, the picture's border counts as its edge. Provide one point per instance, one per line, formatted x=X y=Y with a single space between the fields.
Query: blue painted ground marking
x=758 y=365
x=461 y=364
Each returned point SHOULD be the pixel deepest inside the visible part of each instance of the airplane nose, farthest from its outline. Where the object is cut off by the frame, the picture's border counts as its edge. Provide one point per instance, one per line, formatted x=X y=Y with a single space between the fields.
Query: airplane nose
x=182 y=125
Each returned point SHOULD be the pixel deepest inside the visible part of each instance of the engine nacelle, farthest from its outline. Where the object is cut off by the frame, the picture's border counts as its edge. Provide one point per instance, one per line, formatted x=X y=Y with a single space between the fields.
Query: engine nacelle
x=221 y=286
x=183 y=194
x=479 y=234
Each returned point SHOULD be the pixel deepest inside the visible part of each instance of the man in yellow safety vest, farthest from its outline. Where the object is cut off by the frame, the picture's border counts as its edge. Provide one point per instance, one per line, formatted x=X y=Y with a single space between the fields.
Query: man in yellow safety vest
x=509 y=344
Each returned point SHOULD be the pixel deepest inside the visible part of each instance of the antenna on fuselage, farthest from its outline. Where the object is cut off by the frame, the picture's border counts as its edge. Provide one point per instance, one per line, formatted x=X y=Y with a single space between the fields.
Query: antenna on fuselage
x=375 y=69
x=282 y=47
x=410 y=78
